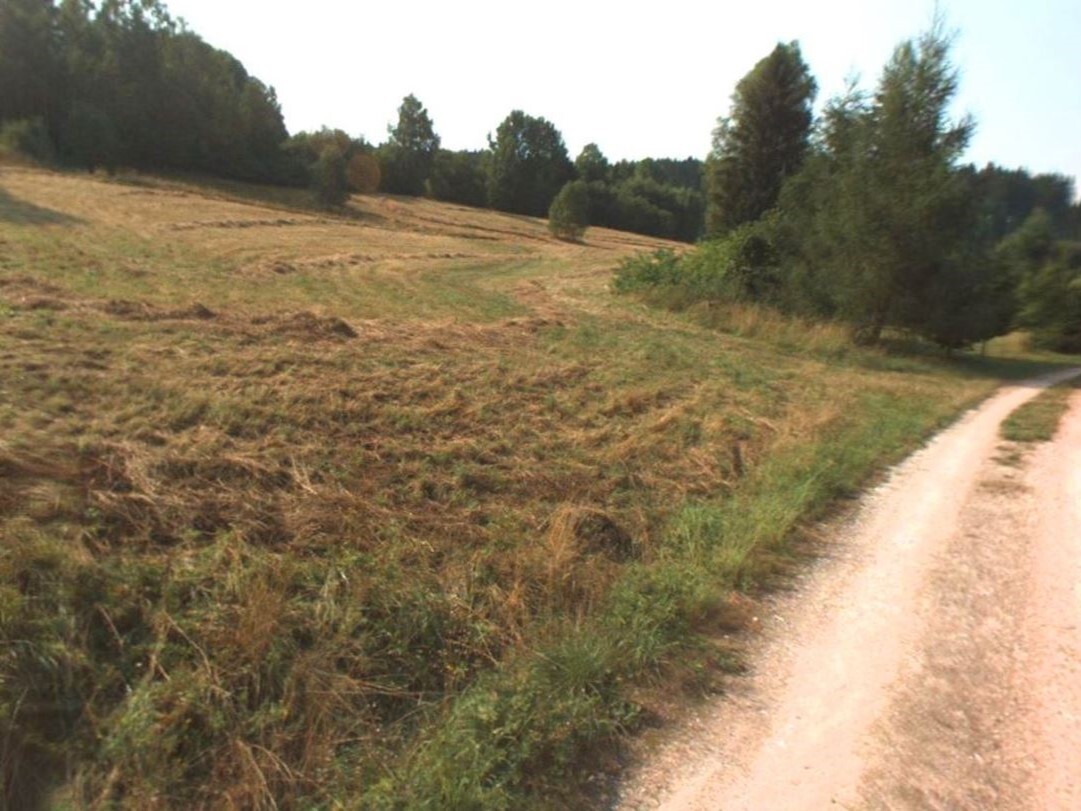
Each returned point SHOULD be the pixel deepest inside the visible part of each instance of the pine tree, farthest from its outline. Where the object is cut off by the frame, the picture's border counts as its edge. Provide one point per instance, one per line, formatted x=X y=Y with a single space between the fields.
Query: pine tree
x=888 y=223
x=763 y=141
x=410 y=152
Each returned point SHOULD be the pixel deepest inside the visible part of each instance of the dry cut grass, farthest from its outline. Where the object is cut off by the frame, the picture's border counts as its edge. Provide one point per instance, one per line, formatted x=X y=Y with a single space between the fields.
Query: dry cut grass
x=300 y=510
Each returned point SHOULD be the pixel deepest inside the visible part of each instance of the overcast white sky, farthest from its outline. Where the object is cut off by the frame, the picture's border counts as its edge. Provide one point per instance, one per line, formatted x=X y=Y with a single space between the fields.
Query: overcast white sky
x=641 y=79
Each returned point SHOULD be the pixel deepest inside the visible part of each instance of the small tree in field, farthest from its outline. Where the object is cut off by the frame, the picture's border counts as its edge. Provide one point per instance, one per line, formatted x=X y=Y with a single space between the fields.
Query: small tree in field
x=329 y=183
x=568 y=216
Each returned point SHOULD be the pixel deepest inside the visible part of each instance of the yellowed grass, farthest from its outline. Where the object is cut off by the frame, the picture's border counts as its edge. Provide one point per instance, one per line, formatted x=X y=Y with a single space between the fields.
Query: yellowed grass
x=269 y=436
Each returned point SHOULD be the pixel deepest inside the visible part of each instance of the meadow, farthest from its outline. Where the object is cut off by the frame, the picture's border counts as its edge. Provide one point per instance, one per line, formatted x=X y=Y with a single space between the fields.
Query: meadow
x=396 y=507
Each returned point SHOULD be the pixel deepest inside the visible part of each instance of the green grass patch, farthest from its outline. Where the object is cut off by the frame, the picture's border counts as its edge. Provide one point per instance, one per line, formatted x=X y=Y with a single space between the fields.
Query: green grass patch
x=1038 y=419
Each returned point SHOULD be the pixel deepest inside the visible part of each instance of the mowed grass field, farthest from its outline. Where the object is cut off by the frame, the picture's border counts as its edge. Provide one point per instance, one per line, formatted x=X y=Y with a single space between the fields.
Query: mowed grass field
x=396 y=509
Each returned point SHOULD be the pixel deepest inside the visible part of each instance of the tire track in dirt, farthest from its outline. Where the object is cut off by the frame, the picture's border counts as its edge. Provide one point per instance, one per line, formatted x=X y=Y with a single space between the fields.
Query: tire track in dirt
x=902 y=673
x=1054 y=624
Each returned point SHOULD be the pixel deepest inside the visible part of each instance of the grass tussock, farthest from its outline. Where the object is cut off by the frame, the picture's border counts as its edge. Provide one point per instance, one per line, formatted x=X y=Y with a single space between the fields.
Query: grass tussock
x=428 y=520
x=1038 y=419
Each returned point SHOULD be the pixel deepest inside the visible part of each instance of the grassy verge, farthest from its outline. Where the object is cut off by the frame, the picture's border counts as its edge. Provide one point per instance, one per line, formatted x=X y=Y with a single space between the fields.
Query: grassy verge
x=299 y=512
x=517 y=738
x=1038 y=419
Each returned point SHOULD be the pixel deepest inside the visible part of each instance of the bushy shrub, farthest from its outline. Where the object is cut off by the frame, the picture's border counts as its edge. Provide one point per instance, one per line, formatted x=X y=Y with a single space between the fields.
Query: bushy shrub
x=459 y=177
x=568 y=216
x=647 y=270
x=89 y=138
x=740 y=266
x=28 y=139
x=1051 y=302
x=329 y=183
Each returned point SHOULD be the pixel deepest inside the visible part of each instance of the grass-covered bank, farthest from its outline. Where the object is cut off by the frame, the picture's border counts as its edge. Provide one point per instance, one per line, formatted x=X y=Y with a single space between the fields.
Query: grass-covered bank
x=400 y=510
x=518 y=738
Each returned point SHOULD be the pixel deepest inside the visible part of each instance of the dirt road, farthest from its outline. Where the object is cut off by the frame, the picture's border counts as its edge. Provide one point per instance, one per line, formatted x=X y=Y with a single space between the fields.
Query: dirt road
x=931 y=660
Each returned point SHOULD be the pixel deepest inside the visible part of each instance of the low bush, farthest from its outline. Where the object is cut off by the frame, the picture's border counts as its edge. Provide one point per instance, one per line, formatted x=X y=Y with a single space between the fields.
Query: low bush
x=27 y=139
x=329 y=182
x=568 y=216
x=739 y=267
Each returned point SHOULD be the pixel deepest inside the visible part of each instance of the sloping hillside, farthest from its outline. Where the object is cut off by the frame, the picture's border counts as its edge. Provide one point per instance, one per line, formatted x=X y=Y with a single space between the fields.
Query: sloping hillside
x=398 y=508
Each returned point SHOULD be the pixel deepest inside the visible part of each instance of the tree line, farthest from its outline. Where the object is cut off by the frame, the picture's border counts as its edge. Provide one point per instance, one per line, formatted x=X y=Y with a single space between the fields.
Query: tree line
x=123 y=84
x=863 y=213
x=866 y=214
x=524 y=168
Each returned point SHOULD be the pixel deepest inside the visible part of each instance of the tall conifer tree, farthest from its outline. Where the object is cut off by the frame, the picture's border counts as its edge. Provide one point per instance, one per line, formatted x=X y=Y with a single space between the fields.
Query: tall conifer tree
x=763 y=140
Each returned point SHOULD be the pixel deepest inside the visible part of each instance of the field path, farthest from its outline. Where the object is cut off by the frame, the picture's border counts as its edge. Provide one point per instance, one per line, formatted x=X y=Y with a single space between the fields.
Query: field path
x=930 y=660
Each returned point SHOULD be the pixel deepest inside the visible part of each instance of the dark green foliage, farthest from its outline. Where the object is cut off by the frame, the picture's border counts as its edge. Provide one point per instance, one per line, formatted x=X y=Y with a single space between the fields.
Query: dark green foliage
x=568 y=216
x=27 y=138
x=763 y=141
x=1049 y=293
x=406 y=158
x=660 y=198
x=1072 y=228
x=30 y=62
x=528 y=166
x=634 y=211
x=669 y=210
x=459 y=177
x=591 y=165
x=1008 y=197
x=89 y=138
x=308 y=146
x=1029 y=247
x=303 y=150
x=688 y=173
x=1018 y=260
x=122 y=83
x=881 y=228
x=329 y=182
x=644 y=271
x=740 y=266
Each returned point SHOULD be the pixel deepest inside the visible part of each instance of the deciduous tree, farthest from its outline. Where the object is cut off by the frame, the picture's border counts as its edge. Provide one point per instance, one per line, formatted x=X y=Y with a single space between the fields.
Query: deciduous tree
x=568 y=216
x=528 y=166
x=591 y=164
